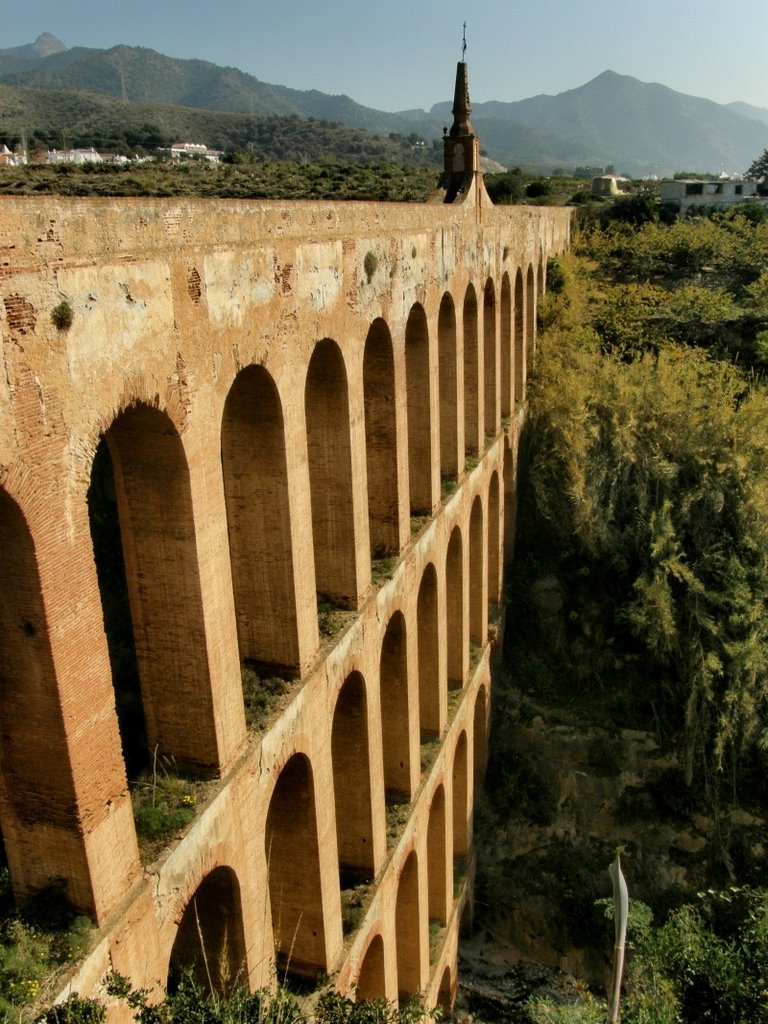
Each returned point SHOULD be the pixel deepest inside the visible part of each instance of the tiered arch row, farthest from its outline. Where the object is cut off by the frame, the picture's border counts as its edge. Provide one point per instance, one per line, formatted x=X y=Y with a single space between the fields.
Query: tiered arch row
x=277 y=444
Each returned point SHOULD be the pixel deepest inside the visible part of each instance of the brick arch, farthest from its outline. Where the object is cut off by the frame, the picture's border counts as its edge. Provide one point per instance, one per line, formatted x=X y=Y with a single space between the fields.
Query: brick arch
x=505 y=345
x=210 y=940
x=450 y=406
x=255 y=472
x=381 y=439
x=150 y=588
x=471 y=373
x=38 y=804
x=519 y=345
x=393 y=675
x=352 y=783
x=293 y=868
x=329 y=450
x=437 y=859
x=409 y=929
x=454 y=609
x=428 y=639
x=476 y=574
x=490 y=348
x=371 y=978
x=417 y=378
x=530 y=318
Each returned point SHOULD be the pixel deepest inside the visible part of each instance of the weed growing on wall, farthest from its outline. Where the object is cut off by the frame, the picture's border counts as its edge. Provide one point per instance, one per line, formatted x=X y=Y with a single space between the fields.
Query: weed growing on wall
x=62 y=316
x=165 y=801
x=370 y=264
x=262 y=695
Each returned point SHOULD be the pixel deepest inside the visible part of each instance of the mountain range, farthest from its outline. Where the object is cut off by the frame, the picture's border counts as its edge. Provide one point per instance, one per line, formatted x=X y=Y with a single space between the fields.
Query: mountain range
x=640 y=128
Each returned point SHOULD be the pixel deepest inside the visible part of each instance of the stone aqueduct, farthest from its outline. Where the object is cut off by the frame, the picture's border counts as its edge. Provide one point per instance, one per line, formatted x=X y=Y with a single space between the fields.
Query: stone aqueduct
x=286 y=392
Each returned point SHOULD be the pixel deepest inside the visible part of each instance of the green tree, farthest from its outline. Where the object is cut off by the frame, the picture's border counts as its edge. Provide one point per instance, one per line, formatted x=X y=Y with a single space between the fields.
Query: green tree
x=758 y=169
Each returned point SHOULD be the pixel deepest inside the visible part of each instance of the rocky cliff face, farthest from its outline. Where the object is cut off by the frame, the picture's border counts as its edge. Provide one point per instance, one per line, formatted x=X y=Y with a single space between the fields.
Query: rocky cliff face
x=562 y=795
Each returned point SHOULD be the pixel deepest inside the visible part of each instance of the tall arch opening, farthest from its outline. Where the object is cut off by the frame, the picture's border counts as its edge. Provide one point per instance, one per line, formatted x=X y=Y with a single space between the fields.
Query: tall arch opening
x=437 y=861
x=352 y=783
x=381 y=440
x=505 y=342
x=329 y=450
x=494 y=542
x=460 y=800
x=471 y=374
x=429 y=655
x=210 y=942
x=293 y=868
x=150 y=591
x=454 y=608
x=408 y=930
x=510 y=502
x=489 y=359
x=530 y=319
x=116 y=609
x=255 y=475
x=480 y=737
x=449 y=389
x=371 y=981
x=445 y=994
x=476 y=632
x=417 y=377
x=37 y=797
x=520 y=367
x=394 y=710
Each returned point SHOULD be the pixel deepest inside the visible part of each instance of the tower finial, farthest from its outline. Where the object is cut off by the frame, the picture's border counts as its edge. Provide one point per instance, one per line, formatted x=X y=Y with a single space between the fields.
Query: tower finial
x=464 y=43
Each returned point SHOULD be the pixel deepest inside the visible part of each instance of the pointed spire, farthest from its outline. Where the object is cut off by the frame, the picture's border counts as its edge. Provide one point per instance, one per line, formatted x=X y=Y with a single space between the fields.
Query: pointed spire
x=462 y=108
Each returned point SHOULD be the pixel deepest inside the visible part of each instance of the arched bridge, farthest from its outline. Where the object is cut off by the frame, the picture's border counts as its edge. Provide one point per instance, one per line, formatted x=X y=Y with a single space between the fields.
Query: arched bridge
x=257 y=468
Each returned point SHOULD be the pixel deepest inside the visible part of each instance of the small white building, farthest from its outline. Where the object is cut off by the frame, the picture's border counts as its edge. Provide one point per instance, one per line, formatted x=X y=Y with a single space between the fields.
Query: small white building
x=10 y=159
x=73 y=156
x=691 y=193
x=193 y=150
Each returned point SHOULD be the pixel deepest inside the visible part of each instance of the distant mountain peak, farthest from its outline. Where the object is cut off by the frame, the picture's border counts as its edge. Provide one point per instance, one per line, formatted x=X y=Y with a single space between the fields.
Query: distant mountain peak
x=46 y=44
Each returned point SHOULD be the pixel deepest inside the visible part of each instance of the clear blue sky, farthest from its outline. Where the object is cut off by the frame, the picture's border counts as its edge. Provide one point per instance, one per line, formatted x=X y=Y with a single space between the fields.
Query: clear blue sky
x=394 y=54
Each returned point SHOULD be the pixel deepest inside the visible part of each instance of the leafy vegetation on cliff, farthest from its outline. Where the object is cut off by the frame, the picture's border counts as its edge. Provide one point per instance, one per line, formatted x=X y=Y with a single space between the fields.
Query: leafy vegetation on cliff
x=639 y=595
x=647 y=455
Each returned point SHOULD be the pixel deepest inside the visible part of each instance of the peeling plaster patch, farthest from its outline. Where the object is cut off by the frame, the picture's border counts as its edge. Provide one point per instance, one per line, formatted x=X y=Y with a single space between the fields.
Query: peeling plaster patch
x=216 y=359
x=117 y=308
x=235 y=284
x=319 y=274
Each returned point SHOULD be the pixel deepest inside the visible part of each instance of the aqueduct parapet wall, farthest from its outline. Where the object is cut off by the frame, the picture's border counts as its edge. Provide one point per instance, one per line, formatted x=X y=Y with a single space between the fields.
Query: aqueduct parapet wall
x=299 y=421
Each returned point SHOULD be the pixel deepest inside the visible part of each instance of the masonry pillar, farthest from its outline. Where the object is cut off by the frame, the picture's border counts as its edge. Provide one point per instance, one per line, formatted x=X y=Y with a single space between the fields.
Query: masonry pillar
x=66 y=812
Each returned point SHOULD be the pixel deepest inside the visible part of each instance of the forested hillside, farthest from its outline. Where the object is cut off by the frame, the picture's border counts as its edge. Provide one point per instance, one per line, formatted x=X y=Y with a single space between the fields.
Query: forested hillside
x=61 y=118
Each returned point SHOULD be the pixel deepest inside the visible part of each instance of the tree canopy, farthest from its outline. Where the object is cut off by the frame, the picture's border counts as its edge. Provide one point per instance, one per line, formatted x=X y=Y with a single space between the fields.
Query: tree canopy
x=647 y=466
x=758 y=169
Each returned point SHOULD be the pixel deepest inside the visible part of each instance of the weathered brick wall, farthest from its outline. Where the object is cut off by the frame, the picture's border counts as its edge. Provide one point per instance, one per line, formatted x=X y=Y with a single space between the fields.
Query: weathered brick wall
x=281 y=386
